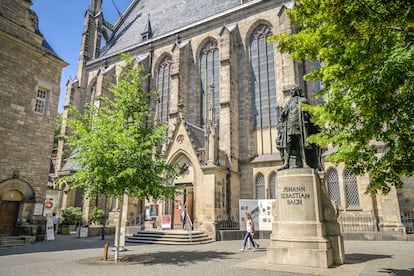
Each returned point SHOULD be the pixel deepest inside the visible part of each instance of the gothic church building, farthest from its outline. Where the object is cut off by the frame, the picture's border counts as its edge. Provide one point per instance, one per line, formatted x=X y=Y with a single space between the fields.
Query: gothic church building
x=219 y=84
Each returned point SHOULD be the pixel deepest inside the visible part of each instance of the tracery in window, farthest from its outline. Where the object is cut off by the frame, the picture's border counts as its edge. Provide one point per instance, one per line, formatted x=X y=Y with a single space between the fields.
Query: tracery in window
x=263 y=78
x=273 y=185
x=333 y=186
x=209 y=76
x=351 y=189
x=260 y=186
x=163 y=87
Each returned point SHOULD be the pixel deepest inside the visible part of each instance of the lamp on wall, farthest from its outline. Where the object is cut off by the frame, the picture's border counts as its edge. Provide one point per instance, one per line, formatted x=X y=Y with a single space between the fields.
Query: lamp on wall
x=15 y=174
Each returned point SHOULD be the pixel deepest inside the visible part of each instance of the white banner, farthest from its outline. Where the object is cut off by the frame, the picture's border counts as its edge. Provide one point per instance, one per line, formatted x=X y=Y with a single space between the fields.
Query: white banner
x=261 y=211
x=50 y=231
x=166 y=222
x=51 y=203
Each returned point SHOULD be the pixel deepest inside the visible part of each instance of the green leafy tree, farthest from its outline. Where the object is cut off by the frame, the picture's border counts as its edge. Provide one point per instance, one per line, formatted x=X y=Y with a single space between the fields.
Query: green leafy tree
x=115 y=145
x=71 y=215
x=367 y=55
x=96 y=215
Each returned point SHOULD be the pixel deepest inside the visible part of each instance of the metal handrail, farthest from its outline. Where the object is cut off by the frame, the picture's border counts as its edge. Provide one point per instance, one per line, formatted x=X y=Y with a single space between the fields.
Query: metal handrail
x=136 y=221
x=189 y=227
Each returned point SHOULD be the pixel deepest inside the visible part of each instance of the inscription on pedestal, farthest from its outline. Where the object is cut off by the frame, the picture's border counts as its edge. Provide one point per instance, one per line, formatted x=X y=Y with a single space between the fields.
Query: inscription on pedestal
x=294 y=195
x=299 y=231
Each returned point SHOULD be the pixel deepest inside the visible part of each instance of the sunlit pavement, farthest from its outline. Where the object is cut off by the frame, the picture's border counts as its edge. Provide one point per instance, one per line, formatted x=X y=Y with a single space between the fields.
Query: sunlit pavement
x=68 y=255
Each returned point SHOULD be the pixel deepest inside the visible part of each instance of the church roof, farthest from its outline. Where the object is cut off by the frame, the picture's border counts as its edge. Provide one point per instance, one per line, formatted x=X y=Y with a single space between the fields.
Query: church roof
x=166 y=16
x=71 y=166
x=196 y=135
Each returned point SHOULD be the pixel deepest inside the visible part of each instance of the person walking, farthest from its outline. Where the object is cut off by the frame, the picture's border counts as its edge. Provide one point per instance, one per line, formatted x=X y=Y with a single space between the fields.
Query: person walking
x=249 y=233
x=55 y=220
x=183 y=215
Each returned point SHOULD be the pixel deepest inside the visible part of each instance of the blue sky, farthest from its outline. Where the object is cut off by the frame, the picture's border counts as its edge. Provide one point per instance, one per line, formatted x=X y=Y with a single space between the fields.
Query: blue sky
x=61 y=23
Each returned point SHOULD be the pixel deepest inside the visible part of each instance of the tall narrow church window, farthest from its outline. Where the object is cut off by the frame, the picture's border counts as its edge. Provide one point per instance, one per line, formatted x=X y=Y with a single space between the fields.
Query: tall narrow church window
x=209 y=75
x=319 y=84
x=273 y=185
x=263 y=78
x=93 y=92
x=260 y=186
x=333 y=186
x=351 y=189
x=163 y=86
x=42 y=98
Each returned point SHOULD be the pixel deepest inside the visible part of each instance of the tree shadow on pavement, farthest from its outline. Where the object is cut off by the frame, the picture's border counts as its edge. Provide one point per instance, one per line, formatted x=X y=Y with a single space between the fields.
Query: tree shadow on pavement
x=178 y=258
x=362 y=258
x=61 y=243
x=399 y=272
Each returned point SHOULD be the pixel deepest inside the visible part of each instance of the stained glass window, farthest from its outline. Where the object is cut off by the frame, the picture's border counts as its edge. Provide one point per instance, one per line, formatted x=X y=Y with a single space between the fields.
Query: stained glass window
x=351 y=189
x=333 y=186
x=209 y=75
x=273 y=185
x=163 y=86
x=260 y=186
x=263 y=78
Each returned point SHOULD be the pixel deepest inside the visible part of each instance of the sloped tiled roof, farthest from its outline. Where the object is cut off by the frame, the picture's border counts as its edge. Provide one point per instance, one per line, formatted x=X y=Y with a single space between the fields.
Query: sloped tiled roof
x=196 y=135
x=71 y=166
x=165 y=15
x=46 y=47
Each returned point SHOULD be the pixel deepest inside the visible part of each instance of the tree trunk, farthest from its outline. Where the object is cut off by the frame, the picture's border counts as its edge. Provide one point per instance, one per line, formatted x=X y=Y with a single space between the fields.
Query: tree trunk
x=118 y=228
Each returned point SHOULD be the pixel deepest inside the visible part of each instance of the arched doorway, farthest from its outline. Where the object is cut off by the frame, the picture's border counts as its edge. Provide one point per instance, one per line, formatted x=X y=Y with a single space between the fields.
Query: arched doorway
x=181 y=201
x=13 y=193
x=185 y=199
x=9 y=211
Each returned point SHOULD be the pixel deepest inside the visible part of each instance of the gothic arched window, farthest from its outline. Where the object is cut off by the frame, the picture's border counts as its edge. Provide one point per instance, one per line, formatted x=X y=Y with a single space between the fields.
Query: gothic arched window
x=163 y=87
x=351 y=189
x=273 y=185
x=260 y=186
x=209 y=75
x=333 y=186
x=263 y=78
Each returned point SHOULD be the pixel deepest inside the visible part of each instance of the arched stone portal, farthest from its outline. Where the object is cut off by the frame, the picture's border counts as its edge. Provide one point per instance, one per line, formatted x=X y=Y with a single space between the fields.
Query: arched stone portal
x=186 y=198
x=13 y=192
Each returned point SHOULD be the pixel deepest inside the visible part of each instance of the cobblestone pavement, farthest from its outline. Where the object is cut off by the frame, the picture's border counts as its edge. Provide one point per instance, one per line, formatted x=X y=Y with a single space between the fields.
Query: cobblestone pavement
x=68 y=255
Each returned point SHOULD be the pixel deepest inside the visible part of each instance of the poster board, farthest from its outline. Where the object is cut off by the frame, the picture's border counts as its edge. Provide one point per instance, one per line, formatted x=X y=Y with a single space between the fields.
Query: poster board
x=83 y=232
x=38 y=209
x=261 y=211
x=166 y=222
x=50 y=232
x=153 y=210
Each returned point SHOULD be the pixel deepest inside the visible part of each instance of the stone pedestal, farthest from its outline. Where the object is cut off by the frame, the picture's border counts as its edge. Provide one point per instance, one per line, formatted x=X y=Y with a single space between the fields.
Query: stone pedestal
x=305 y=231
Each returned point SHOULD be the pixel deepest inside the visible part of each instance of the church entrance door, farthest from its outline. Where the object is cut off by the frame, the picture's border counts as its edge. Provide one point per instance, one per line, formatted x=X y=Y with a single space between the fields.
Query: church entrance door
x=186 y=198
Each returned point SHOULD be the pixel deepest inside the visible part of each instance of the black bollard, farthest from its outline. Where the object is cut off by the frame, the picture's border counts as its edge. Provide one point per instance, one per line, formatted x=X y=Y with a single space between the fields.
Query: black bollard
x=103 y=230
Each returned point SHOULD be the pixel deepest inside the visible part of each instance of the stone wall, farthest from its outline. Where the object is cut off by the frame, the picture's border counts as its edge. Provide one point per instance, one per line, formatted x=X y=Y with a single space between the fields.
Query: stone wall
x=26 y=136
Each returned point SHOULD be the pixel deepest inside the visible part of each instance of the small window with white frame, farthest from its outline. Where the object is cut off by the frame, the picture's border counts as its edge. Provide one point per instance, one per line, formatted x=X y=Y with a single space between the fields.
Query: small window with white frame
x=42 y=100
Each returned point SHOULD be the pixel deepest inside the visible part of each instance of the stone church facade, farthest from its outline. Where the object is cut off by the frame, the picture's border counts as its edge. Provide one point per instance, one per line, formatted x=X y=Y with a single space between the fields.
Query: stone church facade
x=219 y=84
x=29 y=95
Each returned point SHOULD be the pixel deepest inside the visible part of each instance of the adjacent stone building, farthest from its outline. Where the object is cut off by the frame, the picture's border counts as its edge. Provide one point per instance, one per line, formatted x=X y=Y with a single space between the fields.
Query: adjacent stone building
x=220 y=83
x=29 y=95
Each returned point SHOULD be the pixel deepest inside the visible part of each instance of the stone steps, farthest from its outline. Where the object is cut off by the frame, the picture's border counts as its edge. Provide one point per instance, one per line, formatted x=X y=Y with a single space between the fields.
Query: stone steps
x=12 y=241
x=172 y=237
